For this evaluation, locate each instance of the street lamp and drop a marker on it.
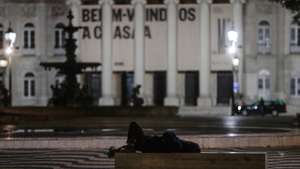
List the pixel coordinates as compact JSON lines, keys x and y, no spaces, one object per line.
{"x":232,"y":50}
{"x":3,"y":63}
{"x":10,"y":37}
{"x":232,"y":38}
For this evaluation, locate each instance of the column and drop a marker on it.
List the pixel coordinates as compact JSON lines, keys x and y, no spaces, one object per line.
{"x":172,"y":98}
{"x":204,"y":92}
{"x":148,"y":88}
{"x":107,"y":98}
{"x":139,"y":44}
{"x":282,"y":51}
{"x":238,"y":27}
{"x":42,"y":52}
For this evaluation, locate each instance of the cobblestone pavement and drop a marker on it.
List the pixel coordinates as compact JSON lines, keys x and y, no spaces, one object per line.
{"x":55,"y":159}
{"x":277,"y":158}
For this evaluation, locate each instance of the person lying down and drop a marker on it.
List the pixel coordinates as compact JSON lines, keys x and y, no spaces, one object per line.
{"x":168,"y":142}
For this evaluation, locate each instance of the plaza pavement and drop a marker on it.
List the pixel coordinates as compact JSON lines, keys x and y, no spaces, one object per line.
{"x":276,"y":158}
{"x":228,"y":140}
{"x":89,"y":152}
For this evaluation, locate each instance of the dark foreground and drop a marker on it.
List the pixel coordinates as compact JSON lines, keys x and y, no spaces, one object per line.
{"x":277,"y":158}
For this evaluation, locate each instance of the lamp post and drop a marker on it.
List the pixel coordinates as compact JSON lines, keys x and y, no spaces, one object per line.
{"x":10,"y":37}
{"x":3,"y":65}
{"x":232,"y":50}
{"x":235,"y":69}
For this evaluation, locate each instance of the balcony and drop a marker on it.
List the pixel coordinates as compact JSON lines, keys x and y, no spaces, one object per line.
{"x":263,"y":48}
{"x":294,"y":48}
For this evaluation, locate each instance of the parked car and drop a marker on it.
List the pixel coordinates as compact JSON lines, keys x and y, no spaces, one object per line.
{"x":273,"y":107}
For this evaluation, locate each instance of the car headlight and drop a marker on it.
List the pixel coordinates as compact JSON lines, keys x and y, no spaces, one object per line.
{"x":239,"y":108}
{"x":255,"y":107}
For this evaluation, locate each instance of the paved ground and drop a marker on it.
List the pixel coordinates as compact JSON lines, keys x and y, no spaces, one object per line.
{"x":286,"y":158}
{"x":277,"y":158}
{"x":55,"y":159}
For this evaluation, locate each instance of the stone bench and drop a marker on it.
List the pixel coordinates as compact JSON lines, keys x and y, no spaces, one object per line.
{"x":190,"y":161}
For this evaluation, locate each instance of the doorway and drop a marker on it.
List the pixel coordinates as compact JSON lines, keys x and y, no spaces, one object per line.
{"x":127,"y":86}
{"x":191,"y":88}
{"x":224,"y":87}
{"x":93,"y":84}
{"x":159,"y":88}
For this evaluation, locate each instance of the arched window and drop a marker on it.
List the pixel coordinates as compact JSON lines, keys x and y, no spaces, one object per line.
{"x":1,"y":36}
{"x":295,"y":38}
{"x":29,"y":85}
{"x":29,"y":36}
{"x":264,"y":84}
{"x":59,"y":36}
{"x":263,"y":37}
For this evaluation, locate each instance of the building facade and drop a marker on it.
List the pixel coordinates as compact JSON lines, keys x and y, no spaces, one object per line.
{"x":176,"y":51}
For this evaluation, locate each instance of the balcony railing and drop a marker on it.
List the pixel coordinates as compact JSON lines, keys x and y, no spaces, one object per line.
{"x":294,"y":48}
{"x":263,"y":49}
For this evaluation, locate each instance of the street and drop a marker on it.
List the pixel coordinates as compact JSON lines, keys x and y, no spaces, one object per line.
{"x":101,"y":126}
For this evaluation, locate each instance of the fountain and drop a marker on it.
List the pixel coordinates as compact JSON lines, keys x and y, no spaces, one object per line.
{"x":69,"y":92}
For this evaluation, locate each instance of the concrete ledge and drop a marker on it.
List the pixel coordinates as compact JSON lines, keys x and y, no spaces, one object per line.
{"x":205,"y":141}
{"x":190,"y":160}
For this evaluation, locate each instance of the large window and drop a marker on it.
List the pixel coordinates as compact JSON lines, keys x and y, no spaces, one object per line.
{"x":29,"y":36}
{"x":295,"y":86}
{"x":263,"y":39}
{"x":224,"y":25}
{"x":29,"y":85}
{"x":295,"y":38}
{"x":59,"y":39}
{"x":59,"y":36}
{"x":264,"y":84}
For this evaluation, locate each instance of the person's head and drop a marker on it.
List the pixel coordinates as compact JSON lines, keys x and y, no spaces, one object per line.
{"x":135,"y":134}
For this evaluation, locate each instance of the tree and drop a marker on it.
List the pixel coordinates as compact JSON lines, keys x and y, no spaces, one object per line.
{"x":292,"y":5}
